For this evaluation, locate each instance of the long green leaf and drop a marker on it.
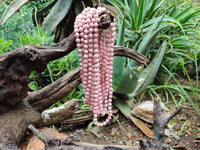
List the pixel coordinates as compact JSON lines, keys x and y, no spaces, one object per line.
{"x":46,"y":8}
{"x":165,"y":19}
{"x":140,"y":14}
{"x":188,"y":17}
{"x":118,"y":62}
{"x":127,"y":82}
{"x":58,"y":12}
{"x":11,"y":9}
{"x":148,"y":74}
{"x":125,"y":109}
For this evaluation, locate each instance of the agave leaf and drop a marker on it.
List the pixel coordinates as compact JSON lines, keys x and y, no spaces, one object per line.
{"x":140,"y":14}
{"x":46,"y":8}
{"x":11,"y":9}
{"x":79,"y":5}
{"x":116,"y":4}
{"x":58,"y":12}
{"x":127,"y":81}
{"x":165,"y":19}
{"x":148,"y":74}
{"x":118,"y":62}
{"x":125,"y":109}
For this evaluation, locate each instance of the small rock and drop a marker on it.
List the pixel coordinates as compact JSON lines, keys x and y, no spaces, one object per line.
{"x":79,"y":132}
{"x":129,"y":135}
{"x":36,"y":144}
{"x":113,"y":131}
{"x":144,"y":111}
{"x":96,"y":132}
{"x":129,"y":143}
{"x":137,"y":142}
{"x":114,"y":141}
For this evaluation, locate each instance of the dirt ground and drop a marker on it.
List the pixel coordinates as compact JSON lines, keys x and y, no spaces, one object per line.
{"x":184,"y":132}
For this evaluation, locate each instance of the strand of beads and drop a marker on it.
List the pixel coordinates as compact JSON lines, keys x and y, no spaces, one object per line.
{"x":95,"y":52}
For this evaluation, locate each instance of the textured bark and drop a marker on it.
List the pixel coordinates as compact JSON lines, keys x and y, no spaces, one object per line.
{"x":18,"y":108}
{"x":16,"y":66}
{"x":60,"y":144}
{"x":160,"y":120}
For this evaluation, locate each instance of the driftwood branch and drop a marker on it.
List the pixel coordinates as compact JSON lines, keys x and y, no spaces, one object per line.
{"x":160,"y":120}
{"x":58,"y":144}
{"x":18,"y":107}
{"x":47,"y":96}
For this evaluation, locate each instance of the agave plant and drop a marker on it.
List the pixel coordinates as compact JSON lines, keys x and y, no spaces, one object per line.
{"x":60,"y":9}
{"x":137,"y":32}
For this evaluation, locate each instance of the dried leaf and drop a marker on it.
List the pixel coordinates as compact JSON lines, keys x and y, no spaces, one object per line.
{"x":125,"y":109}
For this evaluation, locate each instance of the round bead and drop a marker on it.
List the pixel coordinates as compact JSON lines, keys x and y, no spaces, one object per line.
{"x":95,"y":52}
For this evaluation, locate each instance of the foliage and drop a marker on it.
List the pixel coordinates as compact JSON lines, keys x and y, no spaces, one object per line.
{"x":178,"y":22}
{"x":39,"y":4}
{"x":19,"y":24}
{"x":18,"y":31}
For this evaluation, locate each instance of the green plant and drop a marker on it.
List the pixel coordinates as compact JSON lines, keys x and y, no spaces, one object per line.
{"x":4,"y":45}
{"x":19,"y":24}
{"x":24,"y":34}
{"x":40,"y":4}
{"x":133,"y":34}
{"x":177,"y":23}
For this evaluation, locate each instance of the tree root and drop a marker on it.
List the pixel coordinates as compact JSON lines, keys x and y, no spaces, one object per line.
{"x":160,"y":120}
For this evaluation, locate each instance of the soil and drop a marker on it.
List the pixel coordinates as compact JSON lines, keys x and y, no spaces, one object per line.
{"x":184,"y":129}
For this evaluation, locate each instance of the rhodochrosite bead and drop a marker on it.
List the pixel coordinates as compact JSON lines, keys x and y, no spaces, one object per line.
{"x":95,"y":52}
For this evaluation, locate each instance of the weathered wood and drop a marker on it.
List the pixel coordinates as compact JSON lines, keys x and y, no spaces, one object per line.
{"x":14,"y":123}
{"x":58,"y":144}
{"x":15,"y":68}
{"x":160,"y":120}
{"x":127,"y":52}
{"x":47,"y":96}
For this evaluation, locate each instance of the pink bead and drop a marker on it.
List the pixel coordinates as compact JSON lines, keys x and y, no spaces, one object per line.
{"x":78,"y":40}
{"x":95,"y":25}
{"x":93,"y":20}
{"x":86,"y":31}
{"x":96,"y":40}
{"x":90,"y":40}
{"x":90,"y":35}
{"x":81,"y":34}
{"x":85,"y":36}
{"x":77,"y":35}
{"x":79,"y":55}
{"x":85,"y":41}
{"x":96,"y":30}
{"x":85,"y":46}
{"x":85,"y":56}
{"x":95,"y":61}
{"x":98,"y":20}
{"x":95,"y":16}
{"x":96,"y":46}
{"x":78,"y":45}
{"x":96,"y":35}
